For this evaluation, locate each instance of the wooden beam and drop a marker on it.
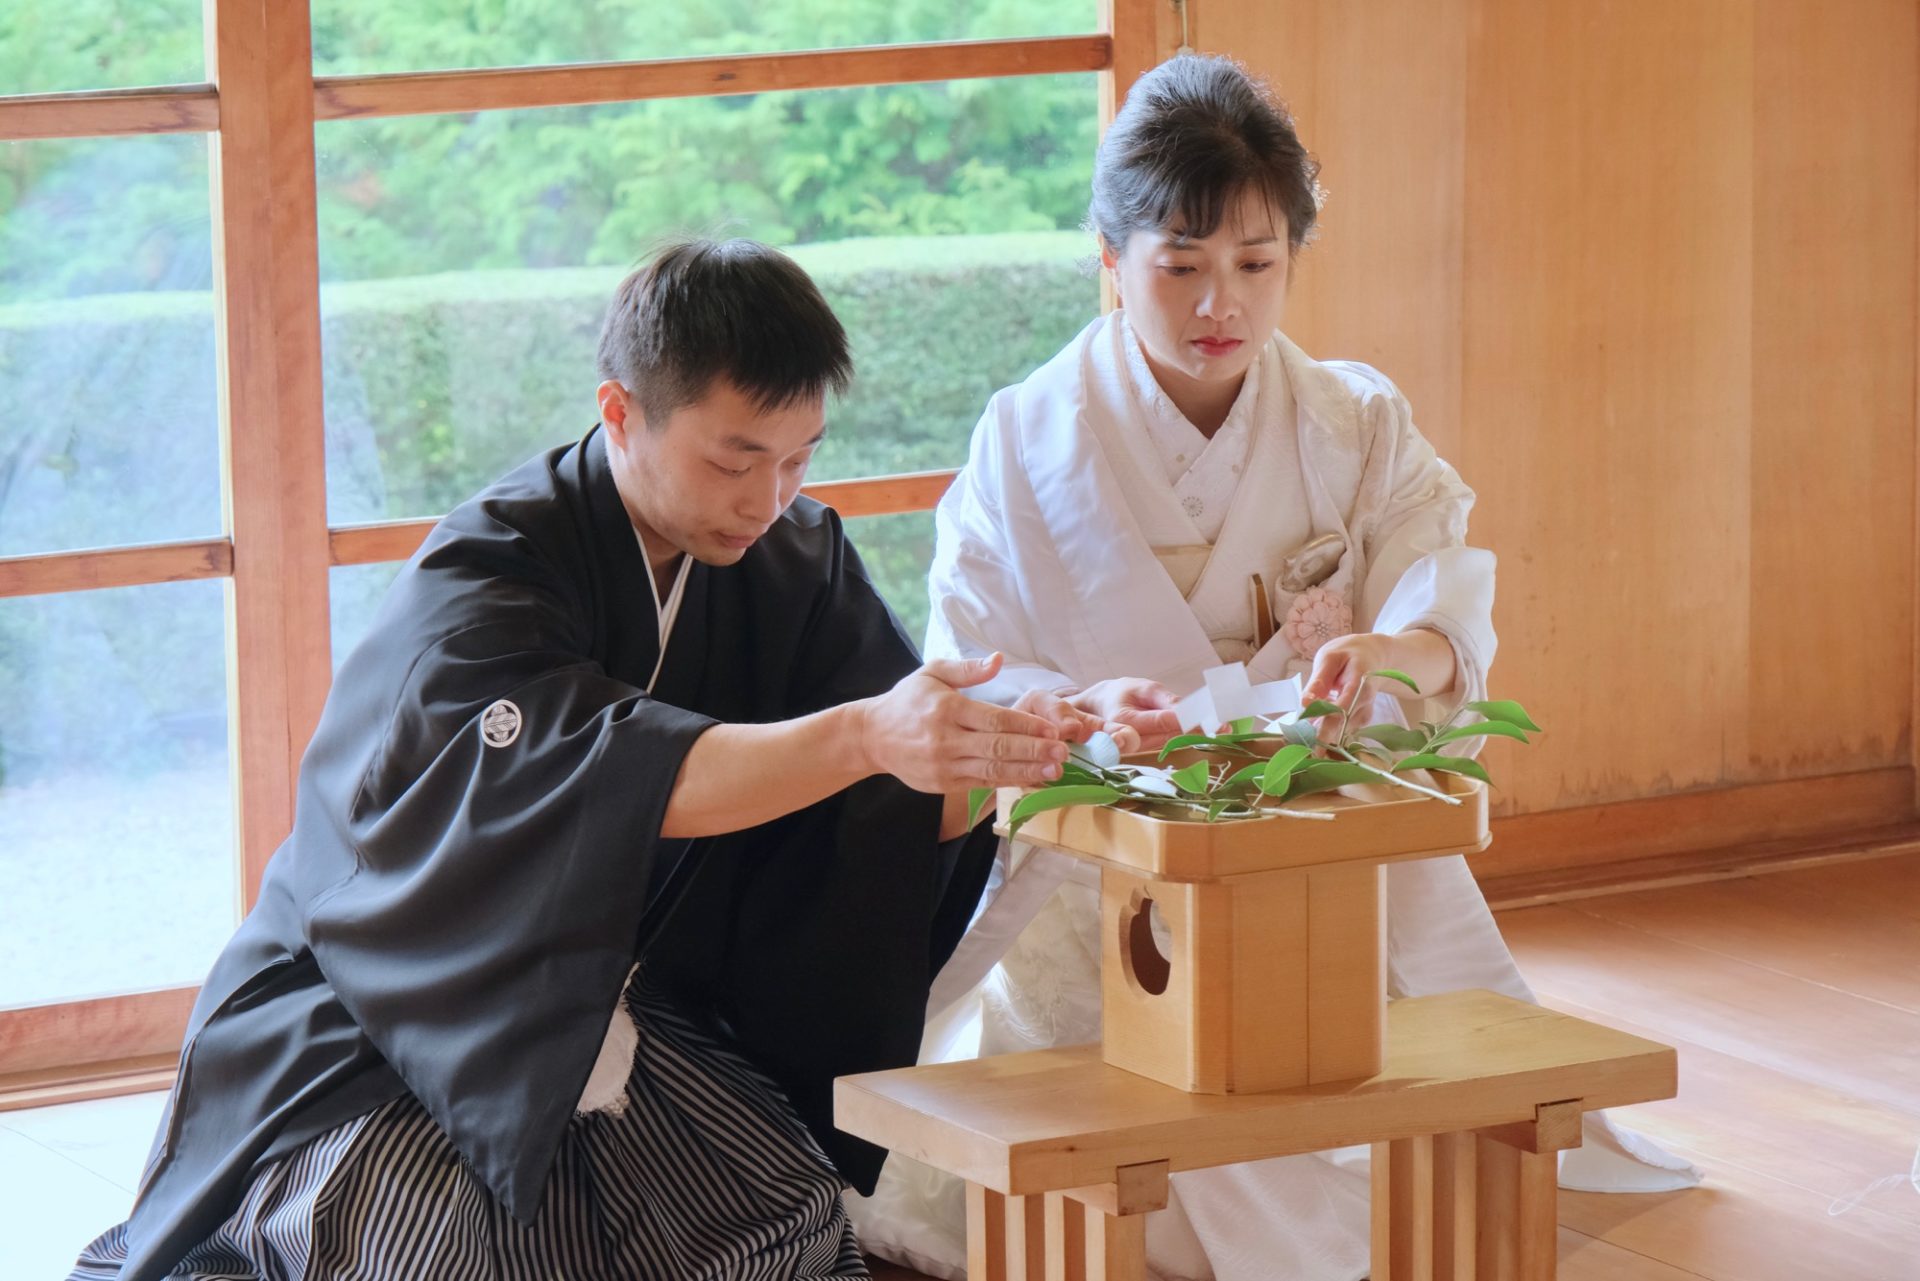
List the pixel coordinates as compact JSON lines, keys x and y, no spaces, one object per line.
{"x":115,"y":567}
{"x":374,"y":544}
{"x":872,"y":496}
{"x":167,"y":109}
{"x":64,"y":1037}
{"x":883,"y":495}
{"x":1788,"y":813}
{"x":267,"y":306}
{"x":140,"y":1075}
{"x":1145,"y":34}
{"x":415,"y":93}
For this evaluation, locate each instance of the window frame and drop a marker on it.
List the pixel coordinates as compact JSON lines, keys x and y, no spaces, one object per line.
{"x":277,"y":547}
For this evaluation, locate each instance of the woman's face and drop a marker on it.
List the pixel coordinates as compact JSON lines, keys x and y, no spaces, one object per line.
{"x":1204,"y":308}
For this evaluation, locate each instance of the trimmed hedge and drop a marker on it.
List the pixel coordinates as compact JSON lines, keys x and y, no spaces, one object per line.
{"x":435,"y":385}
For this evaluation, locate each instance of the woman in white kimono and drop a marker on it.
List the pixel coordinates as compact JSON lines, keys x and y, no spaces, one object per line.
{"x":1106,"y":536}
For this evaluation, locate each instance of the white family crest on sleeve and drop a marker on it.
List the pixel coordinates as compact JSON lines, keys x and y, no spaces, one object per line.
{"x":500,"y":724}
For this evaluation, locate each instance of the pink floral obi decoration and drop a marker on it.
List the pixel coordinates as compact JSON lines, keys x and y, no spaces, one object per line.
{"x":1317,"y":616}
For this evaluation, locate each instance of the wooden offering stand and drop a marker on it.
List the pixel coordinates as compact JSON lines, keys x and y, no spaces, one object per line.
{"x":1277,"y":975}
{"x":1263,"y":1030}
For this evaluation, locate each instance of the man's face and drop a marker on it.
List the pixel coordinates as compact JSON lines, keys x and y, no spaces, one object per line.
{"x":713,"y":477}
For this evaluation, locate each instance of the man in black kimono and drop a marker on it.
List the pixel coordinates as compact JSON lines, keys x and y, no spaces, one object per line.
{"x":633,"y":752}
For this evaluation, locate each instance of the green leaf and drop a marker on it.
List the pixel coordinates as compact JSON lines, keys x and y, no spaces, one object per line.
{"x":1395,"y":674}
{"x":1324,"y":776}
{"x":1242,"y":726}
{"x":1497,"y":728}
{"x":1074,"y":773}
{"x":1210,"y":741}
{"x":1446,"y":764}
{"x":1320,"y":707}
{"x":1247,"y":774}
{"x":1056,"y":798}
{"x":1395,"y":738}
{"x":977,"y":801}
{"x":1280,"y":769}
{"x":1506,"y":711}
{"x":1193,"y":778}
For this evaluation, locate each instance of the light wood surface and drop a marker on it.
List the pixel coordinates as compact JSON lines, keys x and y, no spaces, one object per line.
{"x":1062,"y":1118}
{"x":103,"y":113}
{"x":413,"y":93}
{"x":116,"y":567}
{"x":1799,"y":1068}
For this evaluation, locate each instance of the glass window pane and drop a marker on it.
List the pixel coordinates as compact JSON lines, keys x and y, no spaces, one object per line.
{"x":357,"y":37}
{"x":354,"y":593}
{"x":468,"y":261}
{"x":109,"y":432}
{"x":68,"y":46}
{"x":897,"y":551}
{"x":116,"y":826}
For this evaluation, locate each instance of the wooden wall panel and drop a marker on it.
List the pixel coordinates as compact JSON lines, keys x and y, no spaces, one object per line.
{"x":1833,"y":367}
{"x":1607,"y":382}
{"x":1379,"y":93}
{"x":1647,"y":272}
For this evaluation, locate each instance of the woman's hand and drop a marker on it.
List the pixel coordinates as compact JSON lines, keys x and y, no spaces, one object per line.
{"x":1338,"y":668}
{"x":1145,"y":707}
{"x":1075,"y":725}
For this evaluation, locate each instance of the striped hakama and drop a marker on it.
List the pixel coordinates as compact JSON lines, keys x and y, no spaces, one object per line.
{"x":707,"y":1173}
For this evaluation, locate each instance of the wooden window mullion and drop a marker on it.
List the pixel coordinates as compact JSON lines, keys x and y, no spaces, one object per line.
{"x":273,"y":454}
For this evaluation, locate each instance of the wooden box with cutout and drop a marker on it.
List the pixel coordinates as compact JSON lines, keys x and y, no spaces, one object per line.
{"x":1266,"y":966}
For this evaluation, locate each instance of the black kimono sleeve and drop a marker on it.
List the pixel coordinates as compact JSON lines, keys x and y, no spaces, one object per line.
{"x":483,"y":935}
{"x":812,"y":941}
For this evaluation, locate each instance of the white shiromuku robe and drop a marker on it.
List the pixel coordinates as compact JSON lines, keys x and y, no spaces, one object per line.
{"x":1094,"y":534}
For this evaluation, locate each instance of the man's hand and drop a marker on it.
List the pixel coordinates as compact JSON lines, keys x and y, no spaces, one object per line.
{"x":1073,"y":724}
{"x":933,"y":738}
{"x":1145,"y":707}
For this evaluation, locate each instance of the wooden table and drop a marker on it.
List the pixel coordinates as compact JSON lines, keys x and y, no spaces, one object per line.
{"x":1064,"y":1154}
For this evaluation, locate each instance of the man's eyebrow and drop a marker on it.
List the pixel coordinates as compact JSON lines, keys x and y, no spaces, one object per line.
{"x":740,"y":444}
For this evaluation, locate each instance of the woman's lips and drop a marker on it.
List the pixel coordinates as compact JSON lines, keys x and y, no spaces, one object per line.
{"x":1216,"y":346}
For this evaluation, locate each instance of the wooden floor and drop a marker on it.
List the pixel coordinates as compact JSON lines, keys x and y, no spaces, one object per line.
{"x":1794,"y":1000}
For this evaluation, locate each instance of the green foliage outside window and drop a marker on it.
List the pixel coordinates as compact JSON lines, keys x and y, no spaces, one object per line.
{"x":466,"y":261}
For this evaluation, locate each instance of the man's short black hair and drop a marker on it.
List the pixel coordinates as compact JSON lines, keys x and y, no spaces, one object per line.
{"x":733,"y":309}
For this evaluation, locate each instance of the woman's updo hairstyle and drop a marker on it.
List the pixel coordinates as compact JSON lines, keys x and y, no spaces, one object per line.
{"x":1194,"y":133}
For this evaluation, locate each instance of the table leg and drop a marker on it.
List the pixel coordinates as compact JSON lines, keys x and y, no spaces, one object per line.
{"x":1455,"y":1181}
{"x":1116,"y":1246}
{"x":1403,"y":1210}
{"x":1518,"y":1212}
{"x":986,"y":1234}
{"x":1006,"y":1236}
{"x":1066,"y":1238}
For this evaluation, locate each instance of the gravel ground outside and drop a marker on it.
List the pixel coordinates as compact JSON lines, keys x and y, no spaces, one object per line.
{"x":114,"y":882}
